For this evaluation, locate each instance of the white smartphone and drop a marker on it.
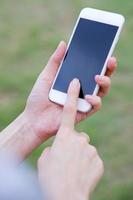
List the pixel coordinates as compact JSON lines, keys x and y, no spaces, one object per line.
{"x":91,"y":45}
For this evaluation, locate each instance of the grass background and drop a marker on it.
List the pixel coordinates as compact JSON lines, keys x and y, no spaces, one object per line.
{"x":29,"y":32}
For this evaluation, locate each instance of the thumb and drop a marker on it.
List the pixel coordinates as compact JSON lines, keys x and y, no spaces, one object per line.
{"x":46,"y":78}
{"x":54,"y":62}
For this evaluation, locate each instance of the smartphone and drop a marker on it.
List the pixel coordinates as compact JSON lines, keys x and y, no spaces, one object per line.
{"x":92,"y":43}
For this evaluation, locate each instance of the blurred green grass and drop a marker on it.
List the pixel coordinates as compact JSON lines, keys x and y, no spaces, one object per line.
{"x":29,"y":33}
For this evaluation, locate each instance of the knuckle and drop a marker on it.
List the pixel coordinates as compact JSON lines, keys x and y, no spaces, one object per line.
{"x":101,"y":166}
{"x":107,"y":82}
{"x":98,"y":103}
{"x":83,"y":140}
{"x":46,"y":79}
{"x":54,"y":59}
{"x":69,"y":108}
{"x":99,"y":100}
{"x":84,"y":137}
{"x":93,"y":150}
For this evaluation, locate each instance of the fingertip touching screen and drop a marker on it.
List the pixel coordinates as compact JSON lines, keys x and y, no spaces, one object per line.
{"x":86,"y":55}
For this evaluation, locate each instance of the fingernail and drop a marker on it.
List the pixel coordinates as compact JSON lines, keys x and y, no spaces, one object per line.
{"x":76,"y":82}
{"x":61,"y":42}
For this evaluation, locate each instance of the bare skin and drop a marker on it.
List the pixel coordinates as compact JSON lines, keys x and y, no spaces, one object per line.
{"x":41,"y":118}
{"x":71,"y":168}
{"x":50,"y":114}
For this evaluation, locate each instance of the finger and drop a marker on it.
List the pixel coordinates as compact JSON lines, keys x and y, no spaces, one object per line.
{"x":70,"y":108}
{"x":112,"y":65}
{"x":104,"y":83}
{"x":95,"y":101}
{"x":84,"y":137}
{"x":53,"y":64}
{"x":56,"y":58}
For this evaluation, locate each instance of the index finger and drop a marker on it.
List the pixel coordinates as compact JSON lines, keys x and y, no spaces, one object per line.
{"x":70,"y":107}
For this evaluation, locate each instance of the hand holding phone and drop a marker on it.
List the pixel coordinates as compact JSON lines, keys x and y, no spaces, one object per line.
{"x":91,"y":45}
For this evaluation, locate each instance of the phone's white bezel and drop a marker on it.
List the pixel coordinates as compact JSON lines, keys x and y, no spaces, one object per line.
{"x":99,"y":16}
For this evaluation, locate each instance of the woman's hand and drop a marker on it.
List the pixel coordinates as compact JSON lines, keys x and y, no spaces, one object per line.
{"x":71,"y":168}
{"x":45,"y":116}
{"x":41,"y":118}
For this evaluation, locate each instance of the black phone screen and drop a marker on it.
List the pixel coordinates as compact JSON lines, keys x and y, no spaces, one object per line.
{"x":86,"y":55}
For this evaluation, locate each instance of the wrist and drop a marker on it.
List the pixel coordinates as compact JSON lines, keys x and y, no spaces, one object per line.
{"x":27,"y":134}
{"x":19,"y":137}
{"x":38,"y":126}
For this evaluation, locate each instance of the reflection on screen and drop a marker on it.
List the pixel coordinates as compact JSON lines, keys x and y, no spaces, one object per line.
{"x":86,"y":55}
